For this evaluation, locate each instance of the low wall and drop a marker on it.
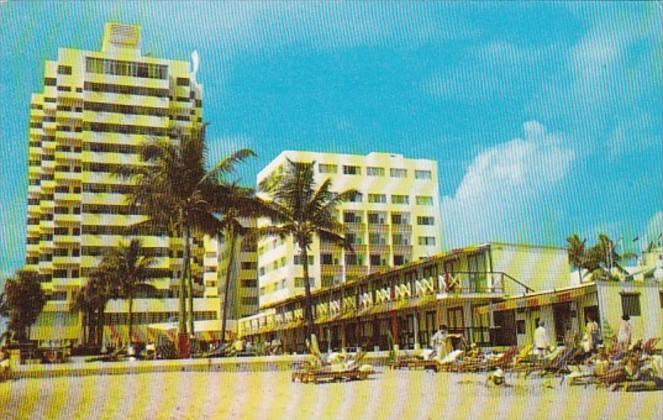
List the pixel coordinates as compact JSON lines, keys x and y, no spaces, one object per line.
{"x":231,"y":364}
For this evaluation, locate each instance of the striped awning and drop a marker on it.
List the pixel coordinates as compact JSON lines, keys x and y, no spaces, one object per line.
{"x":534,"y":300}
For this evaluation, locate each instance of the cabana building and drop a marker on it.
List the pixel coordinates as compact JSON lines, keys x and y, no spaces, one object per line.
{"x":638,"y":294}
{"x":411,"y":301}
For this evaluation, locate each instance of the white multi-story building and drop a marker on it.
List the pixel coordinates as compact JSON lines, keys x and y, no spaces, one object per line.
{"x":394,"y":220}
{"x":95,"y":110}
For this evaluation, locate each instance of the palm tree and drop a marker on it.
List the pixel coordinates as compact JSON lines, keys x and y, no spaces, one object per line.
{"x":91,"y":301}
{"x":604,"y":255}
{"x":305,"y":210}
{"x":22,"y":302}
{"x":576,"y":251}
{"x":598,"y":259}
{"x":127,"y":268}
{"x":236,"y":204}
{"x":175,"y":190}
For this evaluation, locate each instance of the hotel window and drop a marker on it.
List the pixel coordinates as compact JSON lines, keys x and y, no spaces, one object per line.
{"x":327,"y":281}
{"x":326,"y":259}
{"x":182,"y":81}
{"x":399,"y":239}
{"x":420,"y":174}
{"x":400,"y":199}
{"x":375,"y":219}
{"x":299,"y":281}
{"x":248,"y":265}
{"x":353,"y":259}
{"x":298,"y":259}
{"x":326,"y":168}
{"x":356,"y":198}
{"x":427,"y":240}
{"x":249,"y":300}
{"x":425,"y":220}
{"x":351,"y":170}
{"x":400,"y":219}
{"x":60,"y":252}
{"x":61,"y":231}
{"x":50,"y":81}
{"x":424,"y":200}
{"x":631,"y":304}
{"x":376,"y":239}
{"x":377,"y":198}
{"x":398,"y":173}
{"x":353,"y":239}
{"x":373,"y":171}
{"x":399,"y":260}
{"x":375,"y":259}
{"x":126,"y":68}
{"x":64,"y":69}
{"x":349,"y":217}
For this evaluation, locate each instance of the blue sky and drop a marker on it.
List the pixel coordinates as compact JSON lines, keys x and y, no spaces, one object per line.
{"x":545,"y":118}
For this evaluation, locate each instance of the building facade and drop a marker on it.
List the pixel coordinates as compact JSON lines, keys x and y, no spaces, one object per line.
{"x":393,"y":221}
{"x":244,"y":272}
{"x":95,"y":110}
{"x":566,"y":310}
{"x":411,"y":301}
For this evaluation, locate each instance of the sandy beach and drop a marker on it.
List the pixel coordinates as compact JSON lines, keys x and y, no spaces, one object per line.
{"x":390,"y":395}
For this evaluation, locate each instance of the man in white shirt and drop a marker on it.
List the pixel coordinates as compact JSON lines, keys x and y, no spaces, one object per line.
{"x":439,"y":341}
{"x":625,"y":333}
{"x":541,"y":343}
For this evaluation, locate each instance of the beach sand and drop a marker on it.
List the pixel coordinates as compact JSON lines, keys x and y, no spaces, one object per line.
{"x":271,"y":395}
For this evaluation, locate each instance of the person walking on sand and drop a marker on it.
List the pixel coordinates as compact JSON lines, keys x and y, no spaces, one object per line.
{"x":625,"y":333}
{"x":592,"y":331}
{"x":541,"y":343}
{"x":439,"y":341}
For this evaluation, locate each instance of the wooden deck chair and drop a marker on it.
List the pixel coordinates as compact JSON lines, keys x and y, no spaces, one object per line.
{"x":649,"y":346}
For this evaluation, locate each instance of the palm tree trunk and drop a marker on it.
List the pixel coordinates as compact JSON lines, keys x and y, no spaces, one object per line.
{"x":185,"y":260}
{"x":226,"y":286}
{"x":308,"y":307}
{"x":190,"y":283}
{"x":100,"y":325}
{"x":131,"y":316}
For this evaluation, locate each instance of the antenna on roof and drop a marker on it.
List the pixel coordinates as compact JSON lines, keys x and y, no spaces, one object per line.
{"x":195,"y":61}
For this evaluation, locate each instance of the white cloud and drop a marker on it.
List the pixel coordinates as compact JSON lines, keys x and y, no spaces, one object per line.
{"x":503,"y":188}
{"x":633,"y":135}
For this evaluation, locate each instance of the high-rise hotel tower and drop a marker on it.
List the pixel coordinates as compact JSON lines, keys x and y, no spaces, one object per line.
{"x":394,"y":220}
{"x":95,"y":110}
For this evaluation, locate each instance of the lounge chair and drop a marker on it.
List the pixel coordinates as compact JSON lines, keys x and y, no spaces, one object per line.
{"x":113,"y":357}
{"x":649,"y":346}
{"x":484,"y":364}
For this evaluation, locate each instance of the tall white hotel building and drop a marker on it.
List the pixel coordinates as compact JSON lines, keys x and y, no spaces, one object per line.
{"x":95,"y":110}
{"x":393,"y":221}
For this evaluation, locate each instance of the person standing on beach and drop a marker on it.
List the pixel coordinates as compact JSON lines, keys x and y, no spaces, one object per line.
{"x":625,"y":333}
{"x":439,"y":341}
{"x":592,"y":331}
{"x":541,"y":343}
